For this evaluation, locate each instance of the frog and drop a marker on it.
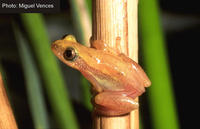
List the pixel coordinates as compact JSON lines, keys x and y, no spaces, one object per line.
{"x":116,"y":79}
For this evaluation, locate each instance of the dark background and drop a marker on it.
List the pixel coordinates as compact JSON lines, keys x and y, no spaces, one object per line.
{"x":181,"y":23}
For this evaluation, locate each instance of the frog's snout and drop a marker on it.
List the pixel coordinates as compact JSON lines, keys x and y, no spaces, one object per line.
{"x":54,"y":46}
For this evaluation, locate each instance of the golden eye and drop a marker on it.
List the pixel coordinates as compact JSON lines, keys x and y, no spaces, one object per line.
{"x":70,"y":54}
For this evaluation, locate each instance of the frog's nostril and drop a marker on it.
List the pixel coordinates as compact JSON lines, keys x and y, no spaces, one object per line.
{"x":54,"y":46}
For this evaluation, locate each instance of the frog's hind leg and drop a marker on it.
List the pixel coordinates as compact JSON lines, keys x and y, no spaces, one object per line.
{"x":114,"y":104}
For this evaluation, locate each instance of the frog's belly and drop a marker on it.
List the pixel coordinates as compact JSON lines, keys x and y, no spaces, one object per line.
{"x":108,"y":84}
{"x":104,"y":82}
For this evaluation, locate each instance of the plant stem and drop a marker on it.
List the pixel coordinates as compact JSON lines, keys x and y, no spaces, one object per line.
{"x":117,"y":19}
{"x":7,"y":120}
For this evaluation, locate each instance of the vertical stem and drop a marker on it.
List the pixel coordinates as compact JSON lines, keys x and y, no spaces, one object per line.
{"x":114,"y":19}
{"x":7,"y":120}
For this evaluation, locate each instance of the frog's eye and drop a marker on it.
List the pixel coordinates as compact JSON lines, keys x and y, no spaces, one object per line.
{"x":70,"y":54}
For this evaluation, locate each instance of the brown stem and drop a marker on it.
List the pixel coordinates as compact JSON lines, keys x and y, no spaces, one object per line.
{"x":7,"y":120}
{"x":117,"y":19}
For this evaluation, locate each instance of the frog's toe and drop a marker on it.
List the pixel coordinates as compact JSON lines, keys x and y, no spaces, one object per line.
{"x":109,"y":112}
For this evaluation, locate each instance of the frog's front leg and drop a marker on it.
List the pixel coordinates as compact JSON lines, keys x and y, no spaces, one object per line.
{"x":114,"y":103}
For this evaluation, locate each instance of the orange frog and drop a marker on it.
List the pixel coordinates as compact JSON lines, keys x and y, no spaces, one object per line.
{"x":116,"y":79}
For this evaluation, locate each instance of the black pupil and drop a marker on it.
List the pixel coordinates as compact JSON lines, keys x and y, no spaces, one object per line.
{"x":68,"y":53}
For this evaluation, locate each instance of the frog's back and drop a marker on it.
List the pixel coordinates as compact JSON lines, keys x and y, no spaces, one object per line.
{"x":118,"y":72}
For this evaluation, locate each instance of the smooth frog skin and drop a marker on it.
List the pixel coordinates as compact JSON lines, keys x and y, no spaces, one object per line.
{"x":116,"y":79}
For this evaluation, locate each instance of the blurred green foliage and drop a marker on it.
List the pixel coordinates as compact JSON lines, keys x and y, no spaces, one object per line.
{"x":86,"y":93}
{"x":160,"y":94}
{"x":33,"y":83}
{"x":50,"y":71}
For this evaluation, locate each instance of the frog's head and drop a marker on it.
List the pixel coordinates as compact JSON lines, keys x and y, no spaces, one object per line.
{"x":69,"y":51}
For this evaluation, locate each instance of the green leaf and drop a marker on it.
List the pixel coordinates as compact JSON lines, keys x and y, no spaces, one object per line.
{"x":33,"y":83}
{"x":161,"y":97}
{"x":86,"y":93}
{"x":50,"y":71}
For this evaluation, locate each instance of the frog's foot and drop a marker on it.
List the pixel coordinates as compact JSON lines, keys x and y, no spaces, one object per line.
{"x":114,"y":104}
{"x":101,"y":45}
